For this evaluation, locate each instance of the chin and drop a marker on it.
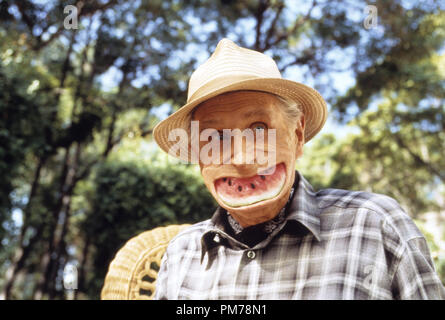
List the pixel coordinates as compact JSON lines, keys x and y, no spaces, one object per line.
{"x":244,"y":194}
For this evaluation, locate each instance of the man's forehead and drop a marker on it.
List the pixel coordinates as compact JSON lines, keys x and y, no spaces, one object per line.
{"x":244,"y":107}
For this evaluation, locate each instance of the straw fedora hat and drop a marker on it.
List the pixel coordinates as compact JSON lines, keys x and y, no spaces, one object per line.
{"x":233,"y":68}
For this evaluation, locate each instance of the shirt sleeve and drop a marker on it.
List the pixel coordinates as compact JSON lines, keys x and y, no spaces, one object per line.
{"x":415,"y":277}
{"x":409,"y":260}
{"x":161,"y":281}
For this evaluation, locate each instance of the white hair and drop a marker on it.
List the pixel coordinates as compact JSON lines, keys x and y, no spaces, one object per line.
{"x":291,"y":109}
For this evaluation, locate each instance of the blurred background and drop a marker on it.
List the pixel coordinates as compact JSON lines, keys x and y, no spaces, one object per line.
{"x":82,"y":84}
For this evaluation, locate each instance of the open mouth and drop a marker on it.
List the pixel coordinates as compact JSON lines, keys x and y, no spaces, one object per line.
{"x":238,"y":192}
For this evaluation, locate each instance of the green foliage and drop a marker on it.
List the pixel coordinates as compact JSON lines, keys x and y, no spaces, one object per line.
{"x":402,"y":59}
{"x":132,"y":197}
{"x":22,"y":131}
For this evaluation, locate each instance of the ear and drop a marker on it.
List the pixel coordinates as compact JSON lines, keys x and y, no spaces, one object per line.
{"x":299,"y":133}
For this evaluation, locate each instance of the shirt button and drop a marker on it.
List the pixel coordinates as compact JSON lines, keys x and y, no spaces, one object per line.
{"x":251,"y":254}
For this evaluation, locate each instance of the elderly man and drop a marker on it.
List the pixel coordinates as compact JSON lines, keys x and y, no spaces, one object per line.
{"x":273,"y":237}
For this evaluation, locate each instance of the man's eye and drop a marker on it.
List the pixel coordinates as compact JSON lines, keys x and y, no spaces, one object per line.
{"x":258,"y":126}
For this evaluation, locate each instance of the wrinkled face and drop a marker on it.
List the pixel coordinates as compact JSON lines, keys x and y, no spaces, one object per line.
{"x":250,"y":194}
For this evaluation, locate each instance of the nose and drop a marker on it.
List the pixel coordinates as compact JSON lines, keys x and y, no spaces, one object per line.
{"x":243,"y":148}
{"x":242,"y":168}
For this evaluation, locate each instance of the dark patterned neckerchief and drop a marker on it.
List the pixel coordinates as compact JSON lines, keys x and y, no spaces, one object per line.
{"x":255,"y":234}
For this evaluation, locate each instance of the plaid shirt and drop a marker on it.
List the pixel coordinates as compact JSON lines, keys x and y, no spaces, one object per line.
{"x":334,"y":244}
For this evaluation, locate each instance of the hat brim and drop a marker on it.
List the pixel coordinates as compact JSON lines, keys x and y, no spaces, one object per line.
{"x":311,"y":102}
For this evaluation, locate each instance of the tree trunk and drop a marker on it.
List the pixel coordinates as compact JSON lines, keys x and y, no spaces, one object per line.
{"x":50,"y":261}
{"x":48,"y":257}
{"x":59,"y":240}
{"x":23,"y":251}
{"x":21,"y":254}
{"x":82,"y":268}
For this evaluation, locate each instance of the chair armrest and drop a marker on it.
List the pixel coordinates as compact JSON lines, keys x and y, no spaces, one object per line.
{"x":132,"y":273}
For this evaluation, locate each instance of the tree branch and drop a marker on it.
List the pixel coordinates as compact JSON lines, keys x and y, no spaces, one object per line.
{"x":84,"y":173}
{"x":262,"y":7}
{"x":418,"y":159}
{"x":272,"y":28}
{"x":298,"y":23}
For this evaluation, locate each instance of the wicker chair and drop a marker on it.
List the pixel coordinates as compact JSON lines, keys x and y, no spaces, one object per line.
{"x":132,"y":273}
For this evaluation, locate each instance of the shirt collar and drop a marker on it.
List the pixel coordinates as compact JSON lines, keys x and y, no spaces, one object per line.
{"x":303,"y":209}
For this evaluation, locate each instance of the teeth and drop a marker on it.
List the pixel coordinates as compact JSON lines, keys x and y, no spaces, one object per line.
{"x":251,"y":199}
{"x":237,"y":192}
{"x":269,"y":171}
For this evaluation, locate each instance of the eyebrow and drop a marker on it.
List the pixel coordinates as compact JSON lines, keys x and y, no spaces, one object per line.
{"x":210,"y":122}
{"x":257,"y":113}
